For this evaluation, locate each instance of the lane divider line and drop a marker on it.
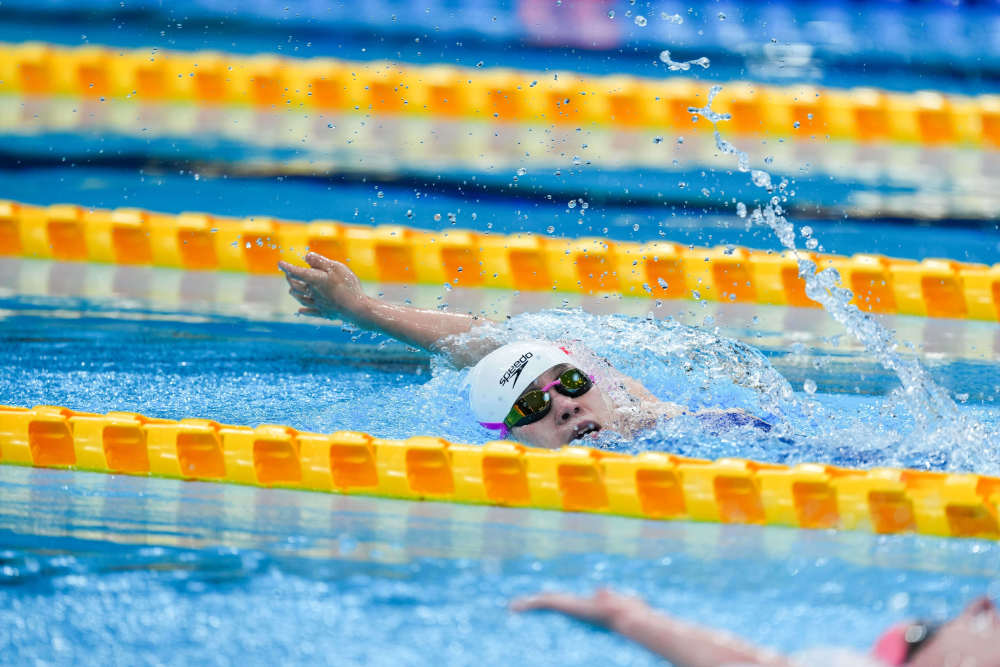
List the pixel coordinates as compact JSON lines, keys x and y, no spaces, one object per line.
{"x":567,"y":98}
{"x":398,"y":254}
{"x":577,"y":479}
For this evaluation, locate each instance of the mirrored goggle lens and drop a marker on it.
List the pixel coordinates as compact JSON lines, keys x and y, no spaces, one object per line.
{"x":573,"y":383}
{"x":530,"y":407}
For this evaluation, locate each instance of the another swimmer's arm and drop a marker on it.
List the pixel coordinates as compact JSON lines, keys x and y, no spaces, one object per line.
{"x":683,"y":644}
{"x":329,"y":289}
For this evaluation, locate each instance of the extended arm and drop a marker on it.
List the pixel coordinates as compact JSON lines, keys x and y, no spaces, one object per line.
{"x":331,"y":290}
{"x":683,"y":644}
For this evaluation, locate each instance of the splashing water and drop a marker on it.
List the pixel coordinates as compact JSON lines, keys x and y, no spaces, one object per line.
{"x":939,"y":423}
{"x":706,"y":112}
{"x":698,"y":369}
{"x":685,"y":65}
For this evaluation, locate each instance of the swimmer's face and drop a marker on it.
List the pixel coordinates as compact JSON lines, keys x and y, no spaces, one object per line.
{"x":972,"y":638}
{"x":568,"y":418}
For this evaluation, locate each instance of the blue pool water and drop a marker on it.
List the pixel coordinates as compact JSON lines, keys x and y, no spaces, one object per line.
{"x":103,"y":569}
{"x":108,"y":569}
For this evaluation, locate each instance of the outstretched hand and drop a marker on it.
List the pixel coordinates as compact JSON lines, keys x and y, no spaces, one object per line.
{"x":325,"y":288}
{"x":605,"y":608}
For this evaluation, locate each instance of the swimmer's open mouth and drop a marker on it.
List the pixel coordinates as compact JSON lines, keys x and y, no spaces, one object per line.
{"x":585,"y":428}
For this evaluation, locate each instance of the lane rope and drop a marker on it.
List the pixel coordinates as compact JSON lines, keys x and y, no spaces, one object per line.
{"x":565,"y":98}
{"x":460,"y":258}
{"x":649,"y":485}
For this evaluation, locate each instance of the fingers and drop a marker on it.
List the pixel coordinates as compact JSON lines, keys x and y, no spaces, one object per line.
{"x":567,"y":604}
{"x":297,"y":284}
{"x":302,"y":272}
{"x":311,"y":312}
{"x":302,"y":297}
{"x":318,"y":261}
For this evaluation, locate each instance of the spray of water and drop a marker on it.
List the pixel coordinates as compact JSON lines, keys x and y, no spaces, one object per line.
{"x":939,"y":421}
{"x":685,"y":65}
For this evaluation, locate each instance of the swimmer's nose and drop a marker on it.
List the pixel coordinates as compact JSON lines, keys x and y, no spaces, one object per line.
{"x":565,"y":408}
{"x":567,"y":414}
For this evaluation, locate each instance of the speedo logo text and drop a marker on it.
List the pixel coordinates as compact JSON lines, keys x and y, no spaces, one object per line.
{"x":514,"y":372}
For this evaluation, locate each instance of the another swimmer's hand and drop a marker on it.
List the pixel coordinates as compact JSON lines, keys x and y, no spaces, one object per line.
{"x":605,"y":608}
{"x":683,"y":644}
{"x":325,"y":288}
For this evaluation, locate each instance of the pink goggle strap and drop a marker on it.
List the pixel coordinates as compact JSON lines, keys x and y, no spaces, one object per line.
{"x":497,"y":426}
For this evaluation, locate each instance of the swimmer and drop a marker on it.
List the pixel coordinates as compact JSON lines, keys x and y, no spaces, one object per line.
{"x":972,"y":638}
{"x":542,"y":393}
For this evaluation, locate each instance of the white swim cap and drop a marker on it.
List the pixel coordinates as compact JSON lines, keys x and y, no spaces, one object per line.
{"x":500,"y":377}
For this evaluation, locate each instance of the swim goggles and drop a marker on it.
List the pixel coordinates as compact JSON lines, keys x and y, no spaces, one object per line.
{"x":534,"y":404}
{"x":900,"y":643}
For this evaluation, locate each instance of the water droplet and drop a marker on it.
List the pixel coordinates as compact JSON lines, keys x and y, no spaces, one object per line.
{"x":571,"y":203}
{"x":611,"y":13}
{"x":722,"y":17}
{"x":796,"y":124}
{"x":409,"y":213}
{"x":761,"y":179}
{"x":663,"y":283}
{"x":811,"y":244}
{"x":680,"y":140}
{"x":380,"y":195}
{"x":806,"y":231}
{"x":657,"y":140}
{"x":741,"y":209}
{"x":437,"y":217}
{"x":640,"y":21}
{"x":550,"y":229}
{"x":809,"y":386}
